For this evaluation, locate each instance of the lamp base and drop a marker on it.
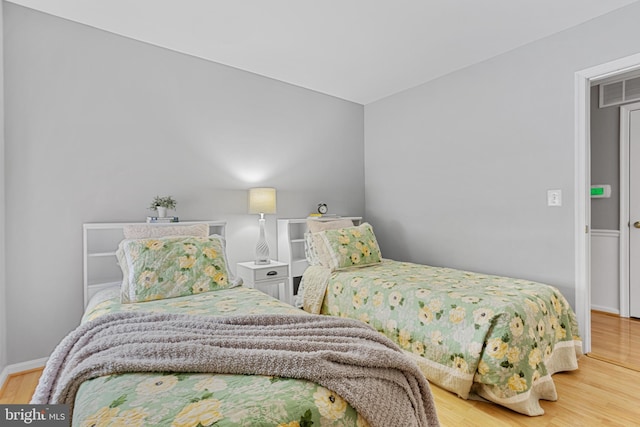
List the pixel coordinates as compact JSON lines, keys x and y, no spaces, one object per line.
{"x":262,"y":248}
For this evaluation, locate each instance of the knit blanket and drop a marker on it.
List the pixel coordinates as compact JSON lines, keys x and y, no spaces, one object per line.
{"x":346,"y":356}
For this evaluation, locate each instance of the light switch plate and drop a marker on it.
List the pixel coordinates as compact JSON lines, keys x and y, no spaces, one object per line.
{"x":554,"y":197}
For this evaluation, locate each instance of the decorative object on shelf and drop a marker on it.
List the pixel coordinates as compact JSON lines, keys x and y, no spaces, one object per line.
{"x":162,"y":204}
{"x":262,"y":201}
{"x":162,"y":219}
{"x":322,"y":212}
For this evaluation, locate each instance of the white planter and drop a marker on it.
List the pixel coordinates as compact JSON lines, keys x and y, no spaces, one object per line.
{"x":162,"y":212}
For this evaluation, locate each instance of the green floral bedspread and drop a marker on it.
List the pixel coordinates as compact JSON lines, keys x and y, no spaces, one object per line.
{"x":171,"y":399}
{"x":496,"y":337}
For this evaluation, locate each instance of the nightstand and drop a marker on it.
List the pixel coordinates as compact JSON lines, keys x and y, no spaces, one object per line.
{"x":272,"y":279}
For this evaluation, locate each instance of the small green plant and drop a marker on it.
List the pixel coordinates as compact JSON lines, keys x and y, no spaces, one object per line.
{"x":164,"y":202}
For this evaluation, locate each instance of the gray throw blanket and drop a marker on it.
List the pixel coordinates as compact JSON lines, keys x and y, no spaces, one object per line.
{"x":346,"y":356}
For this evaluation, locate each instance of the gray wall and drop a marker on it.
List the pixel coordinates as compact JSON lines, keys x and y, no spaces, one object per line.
{"x":3,"y":309}
{"x":605,"y":163}
{"x":97,"y":124}
{"x":457,"y":169}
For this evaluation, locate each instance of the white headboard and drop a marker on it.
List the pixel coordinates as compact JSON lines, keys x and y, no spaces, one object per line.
{"x":100,"y":241}
{"x":291,"y":244}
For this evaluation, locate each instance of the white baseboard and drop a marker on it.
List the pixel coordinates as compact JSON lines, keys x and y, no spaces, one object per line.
{"x":19,"y":367}
{"x":605,"y":309}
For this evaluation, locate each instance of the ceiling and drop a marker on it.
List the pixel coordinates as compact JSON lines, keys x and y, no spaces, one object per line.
{"x":358,"y":50}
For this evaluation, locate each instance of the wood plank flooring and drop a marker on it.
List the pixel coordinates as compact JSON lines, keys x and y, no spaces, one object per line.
{"x":615,"y":339}
{"x":19,"y":387}
{"x":599,"y":393}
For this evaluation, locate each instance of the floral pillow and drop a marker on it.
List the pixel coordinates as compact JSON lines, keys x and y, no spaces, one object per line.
{"x":315,"y":226}
{"x":172,"y":266}
{"x":347,"y":247}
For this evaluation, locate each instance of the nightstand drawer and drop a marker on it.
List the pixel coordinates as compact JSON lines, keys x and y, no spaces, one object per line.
{"x":272,"y":279}
{"x":271,"y":273}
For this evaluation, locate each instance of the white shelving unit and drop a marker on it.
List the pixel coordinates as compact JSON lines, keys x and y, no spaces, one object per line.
{"x":100,"y":242}
{"x":291,"y":245}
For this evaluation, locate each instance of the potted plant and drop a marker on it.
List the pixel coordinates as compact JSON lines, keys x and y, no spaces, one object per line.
{"x":161,"y":204}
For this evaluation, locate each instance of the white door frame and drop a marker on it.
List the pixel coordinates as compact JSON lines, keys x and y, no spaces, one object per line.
{"x":582,"y":122}
{"x":625,"y":285}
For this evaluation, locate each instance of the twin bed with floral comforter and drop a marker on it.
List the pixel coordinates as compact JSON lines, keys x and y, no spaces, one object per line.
{"x":171,"y":283}
{"x":474,"y":334}
{"x":186,"y":399}
{"x":192,"y":398}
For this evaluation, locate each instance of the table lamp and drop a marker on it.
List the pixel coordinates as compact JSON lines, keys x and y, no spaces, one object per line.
{"x":262,"y":201}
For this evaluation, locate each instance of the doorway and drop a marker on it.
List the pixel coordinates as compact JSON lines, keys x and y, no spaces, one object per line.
{"x":630,"y":209}
{"x":615,"y":155}
{"x":583,"y":81}
{"x":615,"y":209}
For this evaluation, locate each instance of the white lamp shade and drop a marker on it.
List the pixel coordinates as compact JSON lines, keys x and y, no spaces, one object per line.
{"x":262,"y":200}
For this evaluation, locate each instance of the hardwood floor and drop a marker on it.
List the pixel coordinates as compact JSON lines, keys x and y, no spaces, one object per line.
{"x":615,"y":339}
{"x":599,"y":393}
{"x":20,"y":387}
